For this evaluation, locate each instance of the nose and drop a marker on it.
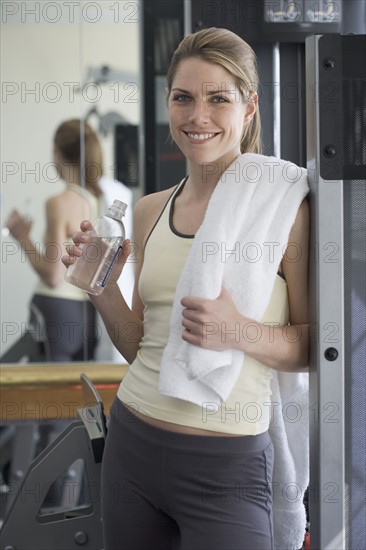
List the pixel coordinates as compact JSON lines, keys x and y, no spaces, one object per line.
{"x":199,"y":112}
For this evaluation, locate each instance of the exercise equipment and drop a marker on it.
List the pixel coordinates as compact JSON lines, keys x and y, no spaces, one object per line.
{"x":76,"y":522}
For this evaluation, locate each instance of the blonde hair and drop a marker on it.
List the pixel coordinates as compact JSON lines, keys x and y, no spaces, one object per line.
{"x":68,"y":139}
{"x":227,"y":49}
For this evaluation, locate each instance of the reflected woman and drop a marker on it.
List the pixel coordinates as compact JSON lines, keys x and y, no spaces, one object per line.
{"x":68,"y":315}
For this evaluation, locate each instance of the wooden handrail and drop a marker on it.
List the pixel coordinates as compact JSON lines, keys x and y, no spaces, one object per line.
{"x":59,"y":373}
{"x":41,"y":391}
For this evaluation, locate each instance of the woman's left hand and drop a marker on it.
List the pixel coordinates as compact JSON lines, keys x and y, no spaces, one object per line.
{"x":211,"y":324}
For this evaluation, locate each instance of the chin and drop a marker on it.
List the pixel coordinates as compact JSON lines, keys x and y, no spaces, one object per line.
{"x":202,"y":157}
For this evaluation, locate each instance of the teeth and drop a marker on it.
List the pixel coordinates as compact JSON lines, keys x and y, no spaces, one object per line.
{"x":200,"y":137}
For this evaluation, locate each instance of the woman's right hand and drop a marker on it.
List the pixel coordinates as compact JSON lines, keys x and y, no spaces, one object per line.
{"x":81,"y":238}
{"x":19,"y":226}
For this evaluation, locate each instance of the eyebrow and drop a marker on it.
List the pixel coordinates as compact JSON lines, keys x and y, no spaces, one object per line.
{"x":209,"y":92}
{"x":180,"y":90}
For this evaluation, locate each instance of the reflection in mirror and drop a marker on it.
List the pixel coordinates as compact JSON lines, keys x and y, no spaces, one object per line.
{"x":60,"y":61}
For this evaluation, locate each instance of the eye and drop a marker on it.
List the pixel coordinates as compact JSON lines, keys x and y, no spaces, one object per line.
{"x":219,"y":99}
{"x":181,"y":98}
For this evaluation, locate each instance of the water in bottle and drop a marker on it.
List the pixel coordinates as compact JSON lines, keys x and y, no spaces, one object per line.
{"x":91,"y":271}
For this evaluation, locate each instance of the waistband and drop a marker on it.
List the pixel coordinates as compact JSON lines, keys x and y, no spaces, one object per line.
{"x":120,"y":413}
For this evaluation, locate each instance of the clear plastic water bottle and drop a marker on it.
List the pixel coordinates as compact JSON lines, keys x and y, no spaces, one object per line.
{"x":91,"y":271}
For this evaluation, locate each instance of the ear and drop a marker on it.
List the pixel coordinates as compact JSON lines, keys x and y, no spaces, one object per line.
{"x":250,"y":107}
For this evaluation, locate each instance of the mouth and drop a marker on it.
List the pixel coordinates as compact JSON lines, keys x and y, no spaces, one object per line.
{"x":201,"y":136}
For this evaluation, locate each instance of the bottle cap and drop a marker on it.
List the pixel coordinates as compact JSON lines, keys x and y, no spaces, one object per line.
{"x":117,"y":209}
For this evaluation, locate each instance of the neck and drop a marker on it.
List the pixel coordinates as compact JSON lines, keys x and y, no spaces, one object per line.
{"x":203,"y":178}
{"x":71,"y":174}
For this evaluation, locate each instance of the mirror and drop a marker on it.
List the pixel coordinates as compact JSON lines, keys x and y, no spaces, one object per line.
{"x":60,"y":60}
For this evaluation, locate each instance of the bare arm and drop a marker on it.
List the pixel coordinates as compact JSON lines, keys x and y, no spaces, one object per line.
{"x":281,"y":348}
{"x":44,"y":257}
{"x":287,"y":348}
{"x":124,"y":325}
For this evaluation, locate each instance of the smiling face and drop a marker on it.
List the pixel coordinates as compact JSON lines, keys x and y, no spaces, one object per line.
{"x":207,"y":112}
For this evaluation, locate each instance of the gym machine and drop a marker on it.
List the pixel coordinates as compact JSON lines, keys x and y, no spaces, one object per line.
{"x":76,"y":522}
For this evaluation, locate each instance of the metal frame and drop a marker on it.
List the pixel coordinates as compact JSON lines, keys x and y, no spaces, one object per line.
{"x":327,"y":460}
{"x":68,"y":528}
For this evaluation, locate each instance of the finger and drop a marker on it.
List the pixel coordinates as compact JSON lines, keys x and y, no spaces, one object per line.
{"x":190,"y":314}
{"x":79,"y":237}
{"x":192,"y":302}
{"x":86,"y":225}
{"x":192,"y":326}
{"x":124,"y":253}
{"x":68,"y":260}
{"x":192,"y":338}
{"x":126,"y":249}
{"x":74,"y":250}
{"x":82,"y":236}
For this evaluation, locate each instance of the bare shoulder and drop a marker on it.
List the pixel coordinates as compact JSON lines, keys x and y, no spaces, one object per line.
{"x":67,"y":209}
{"x":61,"y":200}
{"x":55,"y":206}
{"x":153,"y":203}
{"x":147,"y":211}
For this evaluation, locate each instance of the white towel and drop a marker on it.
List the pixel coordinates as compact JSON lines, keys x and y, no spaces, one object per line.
{"x":289,"y":431}
{"x":239,"y":246}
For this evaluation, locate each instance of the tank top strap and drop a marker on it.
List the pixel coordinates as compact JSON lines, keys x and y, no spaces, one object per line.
{"x":165,"y":212}
{"x":78,"y":189}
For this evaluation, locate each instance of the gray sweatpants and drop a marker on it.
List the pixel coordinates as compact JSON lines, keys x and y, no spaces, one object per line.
{"x":163,"y":490}
{"x":70,"y":328}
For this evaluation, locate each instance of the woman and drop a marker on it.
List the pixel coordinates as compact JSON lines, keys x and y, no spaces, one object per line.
{"x":69,"y":317}
{"x":175,"y":475}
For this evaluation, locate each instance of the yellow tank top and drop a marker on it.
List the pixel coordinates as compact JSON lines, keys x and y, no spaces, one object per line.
{"x":247,"y":410}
